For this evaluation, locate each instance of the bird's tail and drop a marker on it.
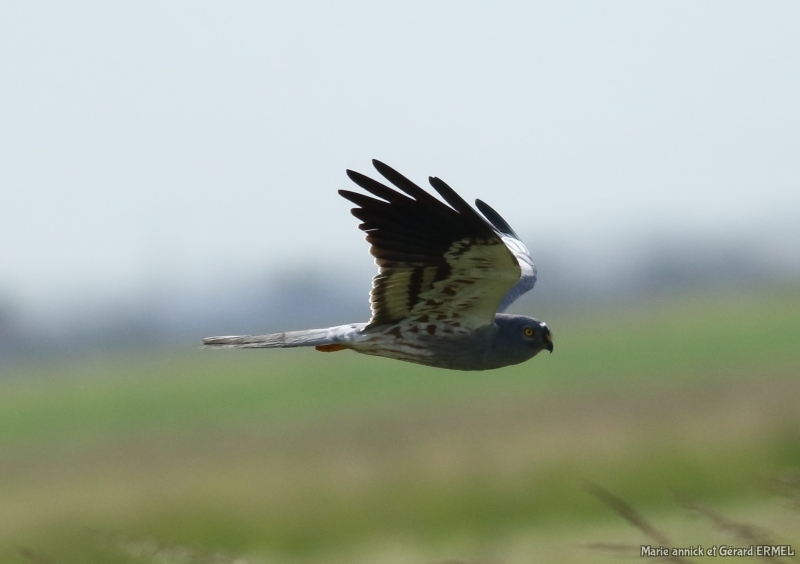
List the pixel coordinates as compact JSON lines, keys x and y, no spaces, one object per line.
{"x":328,"y":339}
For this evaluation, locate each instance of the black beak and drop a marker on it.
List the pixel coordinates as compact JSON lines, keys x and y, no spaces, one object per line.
{"x":549,"y":346}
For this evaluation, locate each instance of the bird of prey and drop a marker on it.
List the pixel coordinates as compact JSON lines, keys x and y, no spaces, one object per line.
{"x":446,"y":275}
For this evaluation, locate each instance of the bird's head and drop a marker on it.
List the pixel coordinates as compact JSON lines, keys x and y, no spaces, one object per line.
{"x":531,"y":333}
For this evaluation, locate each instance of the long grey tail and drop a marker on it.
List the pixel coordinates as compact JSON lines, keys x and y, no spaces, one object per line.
{"x":341,"y":335}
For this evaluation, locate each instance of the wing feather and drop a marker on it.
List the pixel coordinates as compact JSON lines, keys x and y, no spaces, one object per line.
{"x":528,"y":274}
{"x":499,"y":223}
{"x":437,"y":261}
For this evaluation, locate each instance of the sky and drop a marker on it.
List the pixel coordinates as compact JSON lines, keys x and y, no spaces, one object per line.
{"x":187,"y":145}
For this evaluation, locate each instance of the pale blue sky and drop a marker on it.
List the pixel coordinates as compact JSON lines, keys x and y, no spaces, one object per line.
{"x":186,"y":144}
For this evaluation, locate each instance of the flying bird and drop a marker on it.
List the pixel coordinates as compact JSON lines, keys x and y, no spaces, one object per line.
{"x":446,"y":275}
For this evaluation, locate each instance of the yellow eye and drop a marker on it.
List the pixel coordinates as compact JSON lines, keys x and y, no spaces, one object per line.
{"x":528,"y":332}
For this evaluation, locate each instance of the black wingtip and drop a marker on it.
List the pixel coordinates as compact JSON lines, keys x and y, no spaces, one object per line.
{"x":383,"y":168}
{"x":495,"y":218}
{"x":450,"y":196}
{"x":401,"y":182}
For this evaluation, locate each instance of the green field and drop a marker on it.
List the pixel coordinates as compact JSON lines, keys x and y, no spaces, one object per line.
{"x":687,"y":409}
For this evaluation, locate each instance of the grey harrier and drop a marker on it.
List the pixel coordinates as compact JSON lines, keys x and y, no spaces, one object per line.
{"x":446,"y":275}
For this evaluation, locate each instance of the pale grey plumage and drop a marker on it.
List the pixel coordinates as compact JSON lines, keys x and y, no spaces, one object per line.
{"x":446,"y":274}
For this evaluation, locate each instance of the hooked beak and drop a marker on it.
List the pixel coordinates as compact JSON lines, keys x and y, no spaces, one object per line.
{"x":549,"y":345}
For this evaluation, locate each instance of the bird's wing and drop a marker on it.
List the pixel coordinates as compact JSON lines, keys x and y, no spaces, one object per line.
{"x":439,"y":264}
{"x":527,"y":277}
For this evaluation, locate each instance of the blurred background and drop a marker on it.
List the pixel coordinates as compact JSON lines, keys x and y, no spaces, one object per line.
{"x":169,"y":172}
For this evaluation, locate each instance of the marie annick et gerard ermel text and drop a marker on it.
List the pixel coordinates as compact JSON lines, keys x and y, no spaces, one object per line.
{"x":762,"y":550}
